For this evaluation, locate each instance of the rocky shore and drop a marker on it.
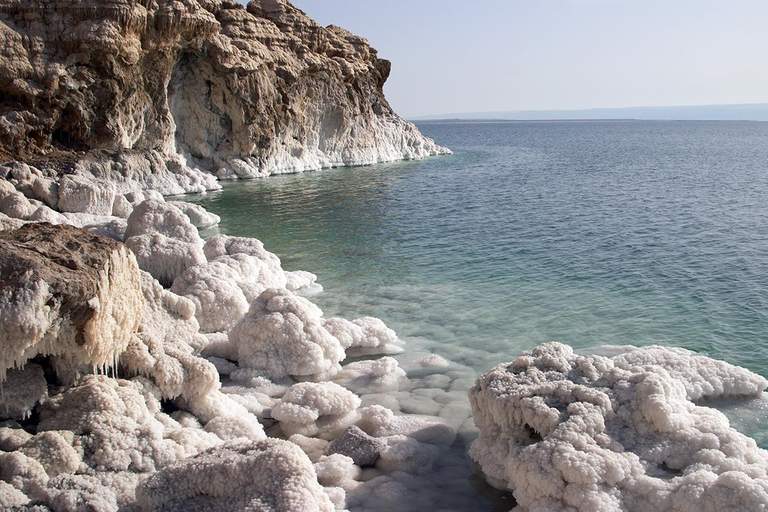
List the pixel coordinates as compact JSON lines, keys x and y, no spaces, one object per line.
{"x":144,"y":368}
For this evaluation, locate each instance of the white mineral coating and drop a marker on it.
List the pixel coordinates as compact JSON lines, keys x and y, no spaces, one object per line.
{"x":312,"y":446}
{"x":73,"y":493}
{"x":337,"y":470}
{"x":10,"y":223}
{"x":260,"y":380}
{"x":239,"y":475}
{"x":318,"y":409}
{"x":158,"y":172}
{"x":220,"y":303}
{"x":376,"y":376}
{"x":271,"y":274}
{"x":24,"y":473}
{"x":47,"y":191}
{"x":366,"y":335}
{"x":283,"y":334}
{"x":54,"y":451}
{"x":68,"y":294}
{"x":404,"y":453}
{"x":379,"y":421}
{"x":198,"y":215}
{"x":153,"y":216}
{"x":302,"y":281}
{"x":163,"y":257}
{"x":21,"y":391}
{"x":79,"y":194}
{"x":122,"y":207}
{"x":10,"y":496}
{"x":592,"y":433}
{"x":11,"y":439}
{"x":168,"y":317}
{"x":255,"y":402}
{"x":15,"y":205}
{"x":120,"y":427}
{"x":46,"y":214}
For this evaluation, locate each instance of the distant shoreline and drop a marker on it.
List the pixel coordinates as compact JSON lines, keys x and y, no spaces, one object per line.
{"x":629,"y":120}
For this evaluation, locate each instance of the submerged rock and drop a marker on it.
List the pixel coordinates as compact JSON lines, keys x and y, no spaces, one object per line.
{"x":589,"y":433}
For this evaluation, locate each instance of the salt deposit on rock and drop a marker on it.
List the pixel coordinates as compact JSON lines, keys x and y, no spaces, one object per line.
{"x":271,"y":274}
{"x":321,"y":409}
{"x":153,"y":216}
{"x":22,"y":390}
{"x":239,"y":475}
{"x":68,"y":294}
{"x":79,"y":194}
{"x":163,"y":257}
{"x":283,"y":334}
{"x":366,"y":335}
{"x":592,"y":433}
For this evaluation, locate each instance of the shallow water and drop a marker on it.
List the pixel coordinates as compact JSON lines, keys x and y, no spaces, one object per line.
{"x":587,"y":233}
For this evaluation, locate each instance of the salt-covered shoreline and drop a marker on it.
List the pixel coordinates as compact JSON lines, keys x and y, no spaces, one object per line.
{"x":224,"y":348}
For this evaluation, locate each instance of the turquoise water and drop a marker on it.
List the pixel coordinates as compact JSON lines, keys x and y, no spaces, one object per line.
{"x":586,"y":233}
{"x":597,"y":233}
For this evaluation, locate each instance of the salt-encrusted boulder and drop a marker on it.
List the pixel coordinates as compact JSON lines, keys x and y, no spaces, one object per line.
{"x":588,"y":433}
{"x":366,"y":335}
{"x":79,"y":194}
{"x":163,"y":257}
{"x":153,"y":216}
{"x":119,"y":426}
{"x":271,"y":274}
{"x":283,"y":334}
{"x":318,"y":409}
{"x":238,"y":476}
{"x":67,"y":293}
{"x":198,"y":216}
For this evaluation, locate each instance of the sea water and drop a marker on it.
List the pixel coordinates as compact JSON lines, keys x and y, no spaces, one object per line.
{"x":588,"y":233}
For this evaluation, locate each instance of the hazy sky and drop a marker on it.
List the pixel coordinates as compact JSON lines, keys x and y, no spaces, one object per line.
{"x":457,"y":56}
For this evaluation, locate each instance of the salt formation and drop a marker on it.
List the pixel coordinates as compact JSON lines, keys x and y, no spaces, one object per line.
{"x":239,"y":475}
{"x":68,"y":294}
{"x":592,"y":433}
{"x":283,"y":334}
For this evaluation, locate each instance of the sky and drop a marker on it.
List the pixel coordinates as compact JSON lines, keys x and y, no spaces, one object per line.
{"x":452,"y":56}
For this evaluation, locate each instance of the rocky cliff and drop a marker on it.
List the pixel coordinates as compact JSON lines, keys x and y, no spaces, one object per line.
{"x":136,"y":89}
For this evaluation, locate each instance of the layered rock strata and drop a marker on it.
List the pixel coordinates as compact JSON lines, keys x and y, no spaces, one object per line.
{"x":156,"y":90}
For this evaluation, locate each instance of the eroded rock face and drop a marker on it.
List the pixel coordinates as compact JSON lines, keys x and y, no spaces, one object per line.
{"x":243,"y":92}
{"x":67,"y":293}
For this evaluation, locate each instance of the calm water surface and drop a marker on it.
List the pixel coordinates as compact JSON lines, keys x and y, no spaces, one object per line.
{"x":589,"y":233}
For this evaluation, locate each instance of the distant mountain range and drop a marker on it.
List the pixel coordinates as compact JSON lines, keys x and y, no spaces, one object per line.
{"x":744,"y":112}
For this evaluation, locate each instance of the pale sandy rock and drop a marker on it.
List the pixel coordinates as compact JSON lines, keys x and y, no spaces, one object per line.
{"x":122,"y":207}
{"x":68,"y":294}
